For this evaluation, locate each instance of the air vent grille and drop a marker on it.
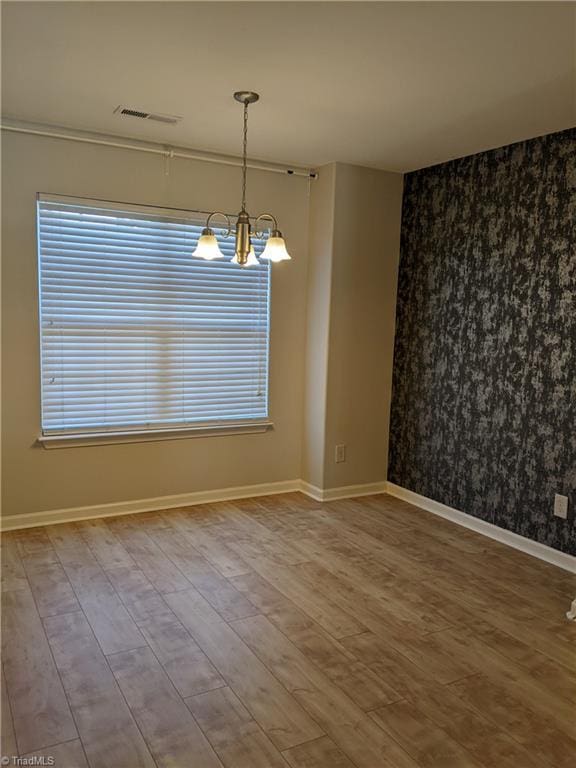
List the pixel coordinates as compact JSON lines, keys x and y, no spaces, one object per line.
{"x":142,"y":115}
{"x":134,"y":113}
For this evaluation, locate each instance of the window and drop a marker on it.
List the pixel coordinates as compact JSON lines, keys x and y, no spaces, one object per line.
{"x":136,"y":334}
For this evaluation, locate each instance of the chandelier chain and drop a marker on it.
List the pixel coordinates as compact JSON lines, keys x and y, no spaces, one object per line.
{"x":244,"y":158}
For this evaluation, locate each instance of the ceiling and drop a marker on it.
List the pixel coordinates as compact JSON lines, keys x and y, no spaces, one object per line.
{"x":390,"y":85}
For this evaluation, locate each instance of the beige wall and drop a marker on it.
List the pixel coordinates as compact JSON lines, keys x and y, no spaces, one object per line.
{"x":35,"y":479}
{"x":354,"y":250}
{"x":367,"y":220}
{"x":332,"y":327}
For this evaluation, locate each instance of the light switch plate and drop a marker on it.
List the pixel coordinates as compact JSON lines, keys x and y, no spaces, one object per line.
{"x":561,"y":506}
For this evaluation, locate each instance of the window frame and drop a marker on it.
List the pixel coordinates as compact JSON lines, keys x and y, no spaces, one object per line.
{"x":188,"y":430}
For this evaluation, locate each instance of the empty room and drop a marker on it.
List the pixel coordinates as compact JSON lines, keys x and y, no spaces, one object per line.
{"x":288,"y":384}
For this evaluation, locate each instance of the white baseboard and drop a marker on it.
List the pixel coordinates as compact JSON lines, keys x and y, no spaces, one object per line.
{"x":534,"y":548}
{"x":311,"y":490}
{"x":34,"y":519}
{"x":541,"y":551}
{"x":345,"y":492}
{"x":74,"y":514}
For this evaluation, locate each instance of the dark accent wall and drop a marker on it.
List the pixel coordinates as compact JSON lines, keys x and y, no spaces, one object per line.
{"x":484,"y":389}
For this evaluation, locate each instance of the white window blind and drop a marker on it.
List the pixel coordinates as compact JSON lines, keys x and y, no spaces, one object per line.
{"x":136,"y":334}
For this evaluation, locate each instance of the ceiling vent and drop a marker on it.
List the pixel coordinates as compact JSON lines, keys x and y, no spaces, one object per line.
{"x":142,"y":115}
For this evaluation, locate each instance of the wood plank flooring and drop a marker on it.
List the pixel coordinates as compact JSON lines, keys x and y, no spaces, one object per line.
{"x":277,"y":632}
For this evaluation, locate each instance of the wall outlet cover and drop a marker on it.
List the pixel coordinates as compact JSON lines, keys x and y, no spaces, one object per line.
{"x":340,"y":453}
{"x":561,"y":506}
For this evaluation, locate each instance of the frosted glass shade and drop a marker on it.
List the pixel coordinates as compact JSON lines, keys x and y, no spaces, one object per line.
{"x":252,"y":261}
{"x":207,"y":247}
{"x":275,"y":249}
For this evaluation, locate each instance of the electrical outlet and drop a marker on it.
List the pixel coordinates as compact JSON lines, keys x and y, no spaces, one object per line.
{"x":340,"y":454}
{"x":561,"y":506}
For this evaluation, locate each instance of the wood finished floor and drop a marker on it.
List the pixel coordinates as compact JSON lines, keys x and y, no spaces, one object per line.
{"x":278,"y":632}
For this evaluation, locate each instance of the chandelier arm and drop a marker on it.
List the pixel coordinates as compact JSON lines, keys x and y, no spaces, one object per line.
{"x":220,"y":213}
{"x":268,"y":216}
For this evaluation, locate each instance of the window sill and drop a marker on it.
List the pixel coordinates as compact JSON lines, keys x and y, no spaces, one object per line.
{"x":151,"y":436}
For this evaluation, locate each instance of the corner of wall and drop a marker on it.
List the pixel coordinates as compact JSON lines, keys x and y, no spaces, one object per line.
{"x":353,"y":264}
{"x":321,"y":237}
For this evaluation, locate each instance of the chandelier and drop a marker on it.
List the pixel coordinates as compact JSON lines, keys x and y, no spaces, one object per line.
{"x":244,"y":254}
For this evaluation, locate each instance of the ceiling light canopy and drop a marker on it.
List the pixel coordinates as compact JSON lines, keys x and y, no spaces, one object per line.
{"x":244,"y":254}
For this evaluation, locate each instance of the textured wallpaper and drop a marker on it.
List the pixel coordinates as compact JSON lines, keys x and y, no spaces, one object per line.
{"x":484,"y":393}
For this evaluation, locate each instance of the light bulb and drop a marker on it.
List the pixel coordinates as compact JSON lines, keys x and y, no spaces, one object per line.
{"x":275,"y":249}
{"x":208,"y":247}
{"x":251,"y":261}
